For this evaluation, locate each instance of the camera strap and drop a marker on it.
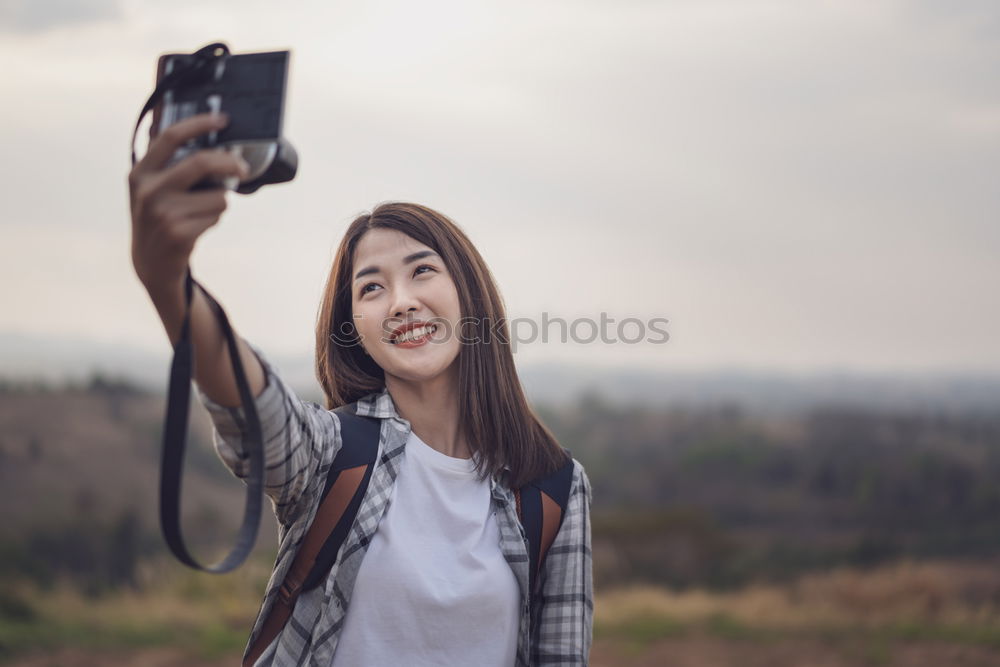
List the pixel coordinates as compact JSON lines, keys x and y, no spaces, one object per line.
{"x":175,"y":439}
{"x":195,"y":72}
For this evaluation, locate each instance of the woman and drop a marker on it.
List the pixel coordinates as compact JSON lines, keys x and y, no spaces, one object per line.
{"x":411,"y":326}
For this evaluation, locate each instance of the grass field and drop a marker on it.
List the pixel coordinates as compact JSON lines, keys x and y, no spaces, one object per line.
{"x":912,"y":614}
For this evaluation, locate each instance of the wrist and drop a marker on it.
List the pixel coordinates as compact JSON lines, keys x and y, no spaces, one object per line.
{"x":165,"y":292}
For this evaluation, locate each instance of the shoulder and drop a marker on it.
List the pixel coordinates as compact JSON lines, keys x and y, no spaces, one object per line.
{"x":580,"y":488}
{"x":575,"y":525}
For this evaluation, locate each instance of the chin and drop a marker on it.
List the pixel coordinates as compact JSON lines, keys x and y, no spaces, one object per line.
{"x":418,"y":372}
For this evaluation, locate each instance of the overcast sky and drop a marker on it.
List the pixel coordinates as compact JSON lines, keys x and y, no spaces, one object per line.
{"x":794,"y":185}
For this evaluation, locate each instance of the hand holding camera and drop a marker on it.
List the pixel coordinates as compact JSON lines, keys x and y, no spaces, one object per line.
{"x":232,"y":104}
{"x":167,"y":216}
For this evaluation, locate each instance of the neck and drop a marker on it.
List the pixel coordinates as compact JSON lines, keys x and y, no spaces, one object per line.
{"x":432,"y":409}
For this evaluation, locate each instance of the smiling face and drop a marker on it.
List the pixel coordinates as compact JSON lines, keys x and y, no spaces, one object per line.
{"x":397,"y":281}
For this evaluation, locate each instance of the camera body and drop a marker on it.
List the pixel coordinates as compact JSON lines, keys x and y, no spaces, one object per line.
{"x":250,"y":89}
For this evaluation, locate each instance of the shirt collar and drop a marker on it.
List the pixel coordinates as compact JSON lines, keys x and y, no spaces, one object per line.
{"x":377,"y":404}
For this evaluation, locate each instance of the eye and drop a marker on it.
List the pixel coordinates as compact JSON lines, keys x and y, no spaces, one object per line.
{"x":364,"y":289}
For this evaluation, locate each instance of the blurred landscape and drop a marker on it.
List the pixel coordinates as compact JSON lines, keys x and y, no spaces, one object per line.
{"x":832,"y":531}
{"x":806,"y":475}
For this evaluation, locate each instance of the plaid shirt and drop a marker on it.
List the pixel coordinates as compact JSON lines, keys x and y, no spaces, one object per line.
{"x":301,"y":440}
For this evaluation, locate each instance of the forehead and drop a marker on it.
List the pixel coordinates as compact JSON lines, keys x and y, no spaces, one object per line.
{"x":384,"y":246}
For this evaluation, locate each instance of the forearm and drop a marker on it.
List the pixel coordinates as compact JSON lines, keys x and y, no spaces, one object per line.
{"x":213,"y":369}
{"x":300,"y":440}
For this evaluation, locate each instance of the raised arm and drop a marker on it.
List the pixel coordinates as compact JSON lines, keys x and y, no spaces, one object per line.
{"x":167,"y":220}
{"x":300,"y":438}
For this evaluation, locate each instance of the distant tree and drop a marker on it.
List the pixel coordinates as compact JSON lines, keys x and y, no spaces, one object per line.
{"x":103,"y":384}
{"x":123,"y":558}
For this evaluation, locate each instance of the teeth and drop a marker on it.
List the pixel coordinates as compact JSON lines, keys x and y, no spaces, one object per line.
{"x":414,"y":334}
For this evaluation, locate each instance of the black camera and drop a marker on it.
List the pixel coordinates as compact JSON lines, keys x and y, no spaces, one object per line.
{"x":249,"y":88}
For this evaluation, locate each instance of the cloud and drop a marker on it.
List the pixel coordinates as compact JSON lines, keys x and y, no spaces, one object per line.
{"x":30,"y":17}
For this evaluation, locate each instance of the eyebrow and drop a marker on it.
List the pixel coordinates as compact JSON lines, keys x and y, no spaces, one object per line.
{"x":409,"y":259}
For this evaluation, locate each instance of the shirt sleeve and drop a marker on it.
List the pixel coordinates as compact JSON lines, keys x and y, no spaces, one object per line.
{"x":563,"y":611}
{"x":300,"y":440}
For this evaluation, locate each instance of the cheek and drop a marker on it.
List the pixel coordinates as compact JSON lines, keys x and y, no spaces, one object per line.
{"x":453,"y":302}
{"x":364,"y":324}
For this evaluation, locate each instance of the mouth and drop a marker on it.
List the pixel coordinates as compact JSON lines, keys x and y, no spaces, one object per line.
{"x":417,"y":334}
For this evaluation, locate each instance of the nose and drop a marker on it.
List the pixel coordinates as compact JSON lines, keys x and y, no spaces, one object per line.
{"x":403,"y":303}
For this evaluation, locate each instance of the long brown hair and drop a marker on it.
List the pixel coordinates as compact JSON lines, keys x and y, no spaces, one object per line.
{"x":494,"y":414}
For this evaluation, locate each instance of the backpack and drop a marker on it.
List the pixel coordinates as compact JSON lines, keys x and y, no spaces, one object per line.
{"x":541,"y":505}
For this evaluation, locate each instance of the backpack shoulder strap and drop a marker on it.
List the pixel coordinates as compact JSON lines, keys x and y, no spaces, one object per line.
{"x":343,"y":491}
{"x":541,"y":506}
{"x":345,"y":487}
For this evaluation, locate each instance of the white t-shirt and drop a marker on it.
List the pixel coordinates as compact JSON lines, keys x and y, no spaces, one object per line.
{"x":433,"y":589}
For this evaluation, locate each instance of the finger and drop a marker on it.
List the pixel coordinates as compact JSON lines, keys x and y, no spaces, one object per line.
{"x":183,"y":205}
{"x":182,"y":234}
{"x":195,"y":226}
{"x":163,"y":146}
{"x":170,"y":210}
{"x":214,"y":164}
